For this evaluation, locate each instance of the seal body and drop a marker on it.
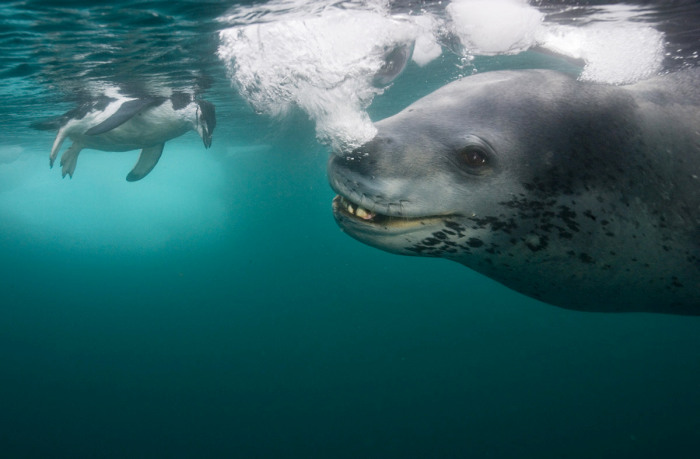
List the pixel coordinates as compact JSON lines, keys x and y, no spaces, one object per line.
{"x":123,"y":124}
{"x":582,"y":195}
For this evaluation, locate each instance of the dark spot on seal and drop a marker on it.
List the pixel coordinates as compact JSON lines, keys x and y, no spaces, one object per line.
{"x":564,"y":234}
{"x":536,"y":242}
{"x":440,"y":235}
{"x":584,"y":257}
{"x":475,"y":242}
{"x":495,"y":223}
{"x":456,"y":227}
{"x":568,"y":216}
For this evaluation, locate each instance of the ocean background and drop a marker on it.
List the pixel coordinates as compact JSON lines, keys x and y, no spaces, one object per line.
{"x":214,"y":309}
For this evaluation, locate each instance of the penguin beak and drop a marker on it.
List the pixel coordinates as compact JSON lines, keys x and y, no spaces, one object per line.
{"x":205,"y":134}
{"x":206,"y":121}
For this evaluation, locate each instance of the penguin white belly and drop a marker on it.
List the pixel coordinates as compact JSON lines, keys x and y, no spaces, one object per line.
{"x":148,"y":128}
{"x":133,"y":135}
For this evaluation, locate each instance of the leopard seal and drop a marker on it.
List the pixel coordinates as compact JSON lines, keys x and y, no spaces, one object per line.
{"x":582,"y":195}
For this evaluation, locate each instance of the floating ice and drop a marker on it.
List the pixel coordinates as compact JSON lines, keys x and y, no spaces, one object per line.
{"x":491,"y":27}
{"x":329,"y":64}
{"x":615,"y":48}
{"x":426,"y":48}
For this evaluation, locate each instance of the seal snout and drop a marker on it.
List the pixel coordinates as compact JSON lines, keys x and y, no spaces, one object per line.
{"x":361,"y":160}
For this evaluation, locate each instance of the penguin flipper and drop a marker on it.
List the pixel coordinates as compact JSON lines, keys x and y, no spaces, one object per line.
{"x":147,"y":161}
{"x":124,"y":113}
{"x":69,"y":159}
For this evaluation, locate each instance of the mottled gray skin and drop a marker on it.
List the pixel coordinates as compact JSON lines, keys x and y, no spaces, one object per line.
{"x":585,"y":196}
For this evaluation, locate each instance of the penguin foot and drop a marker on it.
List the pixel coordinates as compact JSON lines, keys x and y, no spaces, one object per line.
{"x":69,"y":160}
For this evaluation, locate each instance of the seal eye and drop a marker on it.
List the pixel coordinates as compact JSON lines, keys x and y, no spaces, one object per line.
{"x":474,"y":160}
{"x":474,"y":157}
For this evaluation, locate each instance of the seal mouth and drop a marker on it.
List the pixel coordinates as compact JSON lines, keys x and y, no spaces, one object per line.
{"x":352,"y":210}
{"x":346,"y":210}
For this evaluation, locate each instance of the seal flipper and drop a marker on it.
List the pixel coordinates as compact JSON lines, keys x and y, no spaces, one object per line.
{"x":124,"y":113}
{"x":69,"y":159}
{"x":147,"y":161}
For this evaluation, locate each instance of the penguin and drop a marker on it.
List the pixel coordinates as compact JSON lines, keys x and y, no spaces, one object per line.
{"x":123,"y":124}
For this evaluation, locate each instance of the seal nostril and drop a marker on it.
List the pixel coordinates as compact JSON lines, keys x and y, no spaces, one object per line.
{"x":357,"y":154}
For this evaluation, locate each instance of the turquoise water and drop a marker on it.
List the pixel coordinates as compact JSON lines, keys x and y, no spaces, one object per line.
{"x":214,"y":309}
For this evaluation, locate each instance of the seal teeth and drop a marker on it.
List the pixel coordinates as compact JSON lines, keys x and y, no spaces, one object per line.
{"x":356,"y":210}
{"x":362,"y":213}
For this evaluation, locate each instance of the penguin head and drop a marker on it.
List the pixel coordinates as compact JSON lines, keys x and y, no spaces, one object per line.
{"x":206,"y":121}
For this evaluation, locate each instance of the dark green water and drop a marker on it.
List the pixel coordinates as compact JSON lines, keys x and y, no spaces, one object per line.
{"x":216,"y":310}
{"x":272,"y":334}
